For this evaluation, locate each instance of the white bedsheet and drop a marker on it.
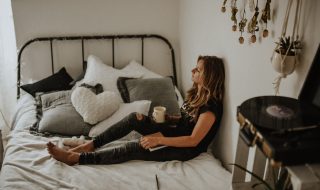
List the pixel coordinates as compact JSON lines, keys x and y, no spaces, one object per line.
{"x":27,"y":165}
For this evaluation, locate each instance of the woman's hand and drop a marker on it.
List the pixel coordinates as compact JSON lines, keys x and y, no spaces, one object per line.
{"x":149,"y":142}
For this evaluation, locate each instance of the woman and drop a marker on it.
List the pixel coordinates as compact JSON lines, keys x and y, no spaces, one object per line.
{"x":199,"y":122}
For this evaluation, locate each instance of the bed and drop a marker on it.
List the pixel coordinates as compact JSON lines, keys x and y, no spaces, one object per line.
{"x":27,"y":165}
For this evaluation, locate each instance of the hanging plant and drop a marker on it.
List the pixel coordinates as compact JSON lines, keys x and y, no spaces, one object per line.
{"x":284,"y":57}
{"x":234,"y":11}
{"x":265,"y":16}
{"x":288,"y":46}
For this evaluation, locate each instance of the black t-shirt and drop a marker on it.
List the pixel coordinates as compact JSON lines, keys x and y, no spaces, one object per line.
{"x":187,"y":124}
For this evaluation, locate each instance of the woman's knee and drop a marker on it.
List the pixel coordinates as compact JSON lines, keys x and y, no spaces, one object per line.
{"x":136,"y":116}
{"x":139,"y":116}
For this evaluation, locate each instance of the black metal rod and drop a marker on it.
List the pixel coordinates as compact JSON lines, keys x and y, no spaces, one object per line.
{"x":142,"y":50}
{"x":82,"y":51}
{"x":95,"y":37}
{"x":52,"y":64}
{"x":174,"y":67}
{"x":113,"y":52}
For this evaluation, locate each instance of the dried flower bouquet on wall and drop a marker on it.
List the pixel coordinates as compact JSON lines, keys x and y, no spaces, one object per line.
{"x":253,"y":25}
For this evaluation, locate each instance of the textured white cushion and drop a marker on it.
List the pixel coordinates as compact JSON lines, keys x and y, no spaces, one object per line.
{"x":125,"y":109}
{"x":98,"y":72}
{"x":136,"y":68}
{"x":94,"y":108}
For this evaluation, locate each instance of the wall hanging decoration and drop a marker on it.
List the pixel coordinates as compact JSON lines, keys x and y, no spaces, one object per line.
{"x":242,"y":25}
{"x":253,"y":24}
{"x":285,"y":55}
{"x":223,"y":8}
{"x":234,"y":11}
{"x":265,"y":16}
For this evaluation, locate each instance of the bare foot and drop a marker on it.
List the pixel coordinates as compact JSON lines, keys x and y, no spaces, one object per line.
{"x":86,"y":147}
{"x":70,"y":158}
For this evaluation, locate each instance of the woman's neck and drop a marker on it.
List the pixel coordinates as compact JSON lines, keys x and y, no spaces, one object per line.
{"x":199,"y":89}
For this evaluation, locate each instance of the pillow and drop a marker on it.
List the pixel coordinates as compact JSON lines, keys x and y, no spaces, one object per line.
{"x":124,"y":110}
{"x":137,"y":68}
{"x":55,"y":82}
{"x":179,"y":97}
{"x":160,"y":91}
{"x":94,"y":107}
{"x":98,"y":72}
{"x":57,"y":115}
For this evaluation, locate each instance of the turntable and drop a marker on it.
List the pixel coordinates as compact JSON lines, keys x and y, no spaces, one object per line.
{"x":287,"y":130}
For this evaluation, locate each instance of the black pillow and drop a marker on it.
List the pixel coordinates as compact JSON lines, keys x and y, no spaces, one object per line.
{"x":160,"y":91}
{"x":56,"y":82}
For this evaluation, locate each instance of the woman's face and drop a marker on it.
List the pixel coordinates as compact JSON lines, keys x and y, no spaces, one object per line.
{"x":197,"y":73}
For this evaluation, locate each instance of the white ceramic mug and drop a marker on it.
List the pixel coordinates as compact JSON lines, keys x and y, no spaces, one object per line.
{"x":159,"y":113}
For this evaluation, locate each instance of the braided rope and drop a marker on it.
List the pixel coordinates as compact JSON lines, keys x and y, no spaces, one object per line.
{"x":277,"y":81}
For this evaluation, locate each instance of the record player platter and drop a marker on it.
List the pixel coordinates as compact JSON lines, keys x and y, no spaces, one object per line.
{"x":279,"y":113}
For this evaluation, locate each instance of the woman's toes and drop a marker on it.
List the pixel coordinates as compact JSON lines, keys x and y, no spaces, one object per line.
{"x":50,"y":144}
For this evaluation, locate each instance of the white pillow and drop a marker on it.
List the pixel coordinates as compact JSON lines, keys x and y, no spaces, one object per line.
{"x":179,"y":96}
{"x":98,"y":72}
{"x":94,"y":107}
{"x":125,"y":109}
{"x":136,"y":68}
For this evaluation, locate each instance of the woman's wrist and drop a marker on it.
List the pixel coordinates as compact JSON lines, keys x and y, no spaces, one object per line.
{"x":159,"y":140}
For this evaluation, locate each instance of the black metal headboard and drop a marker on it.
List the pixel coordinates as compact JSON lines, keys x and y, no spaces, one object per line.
{"x":95,"y":37}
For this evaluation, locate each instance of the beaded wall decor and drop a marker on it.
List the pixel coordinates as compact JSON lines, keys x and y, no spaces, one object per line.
{"x":253,"y":25}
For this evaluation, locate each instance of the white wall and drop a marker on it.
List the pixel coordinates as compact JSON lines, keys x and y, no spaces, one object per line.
{"x":205,"y":30}
{"x":7,"y":61}
{"x":34,"y":18}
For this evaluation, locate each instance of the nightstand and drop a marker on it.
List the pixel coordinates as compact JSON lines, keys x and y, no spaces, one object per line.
{"x":304,"y":177}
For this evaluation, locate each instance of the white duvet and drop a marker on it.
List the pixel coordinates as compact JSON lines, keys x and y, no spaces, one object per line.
{"x":27,"y":165}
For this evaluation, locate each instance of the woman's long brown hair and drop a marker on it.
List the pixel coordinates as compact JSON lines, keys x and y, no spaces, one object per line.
{"x":213,"y":85}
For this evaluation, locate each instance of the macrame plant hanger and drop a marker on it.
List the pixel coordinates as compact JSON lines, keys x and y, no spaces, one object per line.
{"x":294,"y":37}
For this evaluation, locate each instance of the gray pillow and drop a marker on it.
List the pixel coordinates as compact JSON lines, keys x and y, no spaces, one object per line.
{"x":160,"y":91}
{"x":57,"y":115}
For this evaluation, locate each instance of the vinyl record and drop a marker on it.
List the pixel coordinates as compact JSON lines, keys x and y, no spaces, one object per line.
{"x":280,"y":113}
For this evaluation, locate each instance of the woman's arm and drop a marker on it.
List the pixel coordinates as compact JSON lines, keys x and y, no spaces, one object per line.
{"x":203,"y":125}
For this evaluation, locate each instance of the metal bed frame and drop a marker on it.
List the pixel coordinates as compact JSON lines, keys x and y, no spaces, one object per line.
{"x":142,"y":37}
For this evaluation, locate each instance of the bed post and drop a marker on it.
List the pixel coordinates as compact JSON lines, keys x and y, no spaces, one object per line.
{"x":52,"y":64}
{"x":142,"y":50}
